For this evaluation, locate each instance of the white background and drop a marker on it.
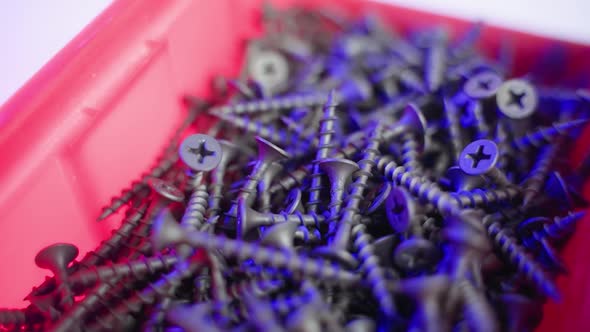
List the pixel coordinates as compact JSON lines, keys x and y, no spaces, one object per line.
{"x":32,"y":31}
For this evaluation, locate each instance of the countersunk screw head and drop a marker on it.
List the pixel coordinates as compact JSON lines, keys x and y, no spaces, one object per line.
{"x":400,"y":209}
{"x":166,"y":189}
{"x":200,"y":152}
{"x":293,"y":201}
{"x":460,"y":181}
{"x":56,"y":257}
{"x":416,"y":254}
{"x":270,"y":69}
{"x":482,"y":85}
{"x":479,"y":157}
{"x":517,"y":98}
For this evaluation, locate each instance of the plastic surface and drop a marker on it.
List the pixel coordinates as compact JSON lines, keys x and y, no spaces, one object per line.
{"x":97,"y":115}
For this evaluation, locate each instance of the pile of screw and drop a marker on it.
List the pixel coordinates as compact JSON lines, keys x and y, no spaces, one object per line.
{"x":355,"y":181}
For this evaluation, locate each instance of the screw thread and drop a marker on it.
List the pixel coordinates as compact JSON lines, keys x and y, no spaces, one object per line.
{"x":518,"y":256}
{"x":284,"y":304}
{"x":194,"y":179}
{"x":421,"y":188}
{"x":91,"y":303}
{"x":134,"y":305}
{"x":14,"y":317}
{"x":269,"y":219}
{"x":159,"y":312}
{"x":358,"y":187}
{"x":410,"y":153}
{"x":258,"y":128}
{"x":478,"y":309}
{"x":138,"y":270}
{"x":143,"y":248}
{"x":108,"y":248}
{"x":264,"y":197}
{"x":296,"y":177}
{"x":138,"y":241}
{"x":382,"y":162}
{"x":128,"y":194}
{"x":435,"y":65}
{"x":194,"y":214}
{"x":560,"y":226}
{"x":454,"y":124}
{"x":275,"y":258}
{"x":163,"y":164}
{"x":503,"y":139}
{"x":481,"y":125}
{"x":291,"y":179}
{"x":308,"y":236}
{"x":271,"y":104}
{"x":325,"y":145}
{"x":374,"y":272}
{"x":298,"y":128}
{"x":536,"y":179}
{"x":479,"y":198}
{"x":217,"y":183}
{"x":257,"y":287}
{"x":215,"y":198}
{"x":546,"y":135}
{"x":249,"y":188}
{"x":336,"y":201}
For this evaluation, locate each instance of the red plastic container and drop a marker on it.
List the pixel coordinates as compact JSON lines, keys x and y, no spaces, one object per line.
{"x":97,"y":115}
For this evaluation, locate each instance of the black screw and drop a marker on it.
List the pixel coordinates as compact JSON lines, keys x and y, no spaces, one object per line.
{"x":517,"y":99}
{"x":534,"y":182}
{"x":518,"y":257}
{"x":249,"y":219}
{"x":480,"y":158}
{"x":228,"y":152}
{"x":452,"y":115}
{"x":56,"y":258}
{"x":164,"y":163}
{"x":168,"y":232}
{"x":200,"y":153}
{"x":429,"y":294}
{"x":546,"y":135}
{"x":337,"y":249}
{"x":340,"y":172}
{"x":325,"y":145}
{"x":375,"y":274}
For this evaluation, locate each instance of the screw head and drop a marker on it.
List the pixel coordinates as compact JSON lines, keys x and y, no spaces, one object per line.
{"x":56,"y":256}
{"x":416,"y":254}
{"x":517,"y":98}
{"x":461,"y":181}
{"x":166,"y":189}
{"x":400,"y":208}
{"x":293,"y":201}
{"x":384,"y":247}
{"x":200,"y":152}
{"x":270,"y":69}
{"x":280,"y":235}
{"x":528,"y":227}
{"x":270,"y":152}
{"x":479,"y":157}
{"x":482,"y":85}
{"x":379,"y":197}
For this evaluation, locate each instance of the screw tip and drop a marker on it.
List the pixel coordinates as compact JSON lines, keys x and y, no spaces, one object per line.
{"x":332,"y":101}
{"x":105,"y":214}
